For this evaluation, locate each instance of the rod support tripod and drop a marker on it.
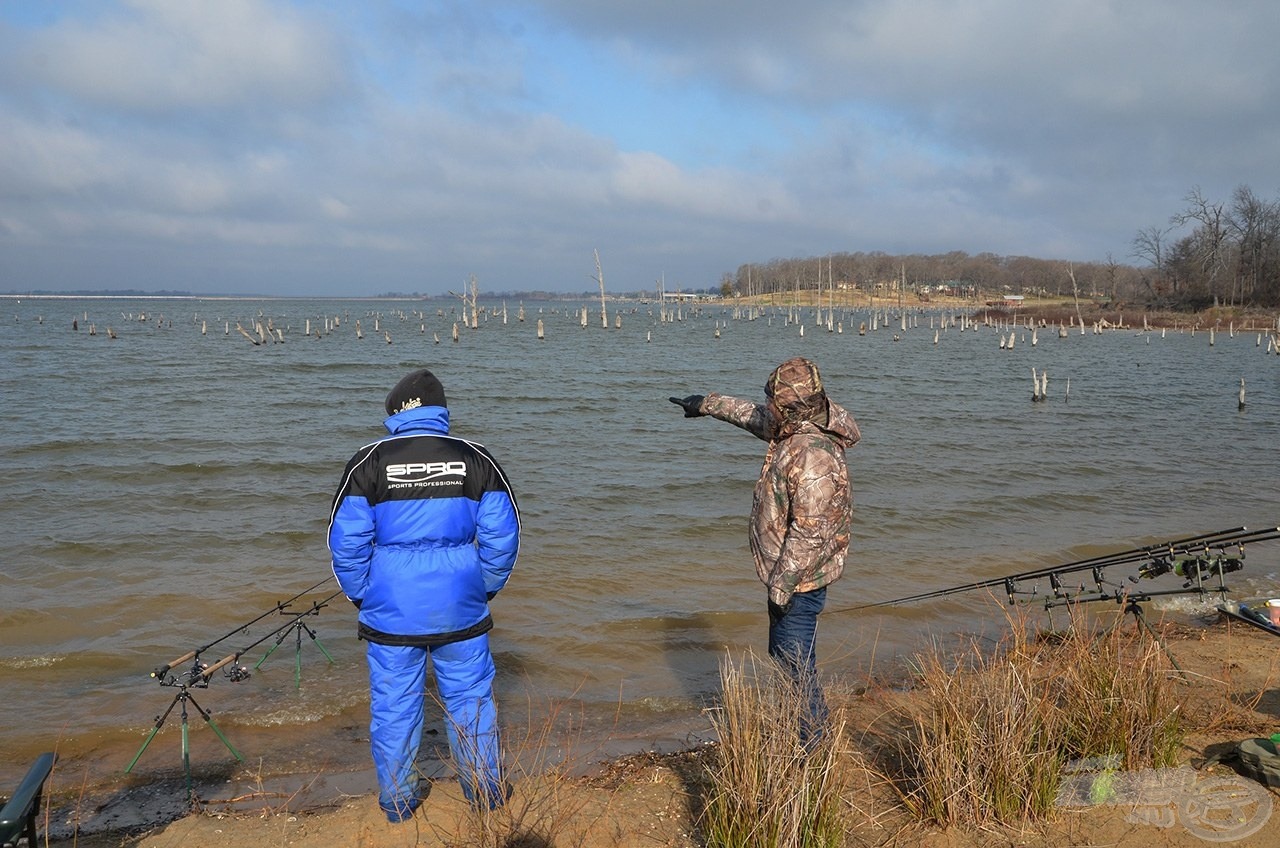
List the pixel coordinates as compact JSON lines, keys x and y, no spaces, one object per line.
{"x":195,"y":678}
{"x":1132,"y":606}
{"x":297,"y":627}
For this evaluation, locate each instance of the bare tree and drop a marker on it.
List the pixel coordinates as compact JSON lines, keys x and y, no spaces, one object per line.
{"x":1254,"y":224}
{"x":604,"y":313}
{"x":1149,"y":245}
{"x":1210,"y":238}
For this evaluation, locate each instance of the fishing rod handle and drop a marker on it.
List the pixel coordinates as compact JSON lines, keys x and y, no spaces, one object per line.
{"x":227,"y":660}
{"x":162,"y":670}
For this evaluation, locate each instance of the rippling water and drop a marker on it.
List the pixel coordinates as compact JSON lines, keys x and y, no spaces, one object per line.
{"x":161,"y":488}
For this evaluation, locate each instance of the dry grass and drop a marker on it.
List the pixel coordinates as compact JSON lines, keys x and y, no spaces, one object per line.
{"x":768,"y":790}
{"x":545,"y":810}
{"x":990,"y":736}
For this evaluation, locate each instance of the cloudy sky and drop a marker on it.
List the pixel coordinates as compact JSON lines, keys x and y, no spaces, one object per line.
{"x":335,"y":148}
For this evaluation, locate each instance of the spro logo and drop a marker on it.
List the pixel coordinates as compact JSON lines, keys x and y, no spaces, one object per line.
{"x":424,"y":473}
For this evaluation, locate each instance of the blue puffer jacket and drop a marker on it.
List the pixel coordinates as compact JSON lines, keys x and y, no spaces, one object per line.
{"x":424,"y":531}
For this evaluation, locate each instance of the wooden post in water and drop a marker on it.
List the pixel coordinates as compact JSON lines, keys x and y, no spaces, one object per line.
{"x":541,"y":336}
{"x":1241,"y":403}
{"x":475,"y":313}
{"x":604,"y":314}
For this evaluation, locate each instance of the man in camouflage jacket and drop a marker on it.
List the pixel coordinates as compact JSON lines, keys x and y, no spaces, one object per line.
{"x":801,"y":511}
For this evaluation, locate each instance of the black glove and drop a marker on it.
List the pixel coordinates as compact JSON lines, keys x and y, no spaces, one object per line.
{"x":777,"y":613}
{"x":692,"y":405}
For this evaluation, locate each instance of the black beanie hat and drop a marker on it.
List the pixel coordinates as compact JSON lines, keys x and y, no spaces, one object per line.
{"x":421,"y":388}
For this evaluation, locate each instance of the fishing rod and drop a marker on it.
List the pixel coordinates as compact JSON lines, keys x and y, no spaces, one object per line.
{"x":1192,"y":554}
{"x":160,"y":671}
{"x":200,"y":673}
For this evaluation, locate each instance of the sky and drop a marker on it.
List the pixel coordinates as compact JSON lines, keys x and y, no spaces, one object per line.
{"x":330,"y":148}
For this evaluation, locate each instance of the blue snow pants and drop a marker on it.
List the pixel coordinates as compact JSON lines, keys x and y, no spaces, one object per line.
{"x":397,"y":688}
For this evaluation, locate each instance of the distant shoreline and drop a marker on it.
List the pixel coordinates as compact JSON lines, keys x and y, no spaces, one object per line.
{"x":537,"y":296}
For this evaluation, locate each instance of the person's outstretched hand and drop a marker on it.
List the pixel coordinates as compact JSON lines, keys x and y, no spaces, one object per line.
{"x":692,"y":405}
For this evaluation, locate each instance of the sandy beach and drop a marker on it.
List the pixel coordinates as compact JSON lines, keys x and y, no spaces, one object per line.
{"x":652,"y":798}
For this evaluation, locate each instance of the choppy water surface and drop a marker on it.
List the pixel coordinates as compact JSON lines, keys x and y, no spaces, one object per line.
{"x":161,"y":488}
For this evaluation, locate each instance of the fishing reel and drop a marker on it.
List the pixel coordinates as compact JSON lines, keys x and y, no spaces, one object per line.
{"x":1200,"y":568}
{"x":1153,"y":569}
{"x":238,"y":674}
{"x":192,"y":677}
{"x":1192,"y":569}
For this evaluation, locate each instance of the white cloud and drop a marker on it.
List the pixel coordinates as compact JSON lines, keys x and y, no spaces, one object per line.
{"x":153,"y":57}
{"x":681,"y":138}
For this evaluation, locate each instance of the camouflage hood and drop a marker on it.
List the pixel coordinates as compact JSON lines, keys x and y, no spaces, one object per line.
{"x":796,"y":396}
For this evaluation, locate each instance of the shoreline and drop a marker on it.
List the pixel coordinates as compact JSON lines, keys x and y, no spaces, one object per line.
{"x":306,"y":770}
{"x":642,"y":789}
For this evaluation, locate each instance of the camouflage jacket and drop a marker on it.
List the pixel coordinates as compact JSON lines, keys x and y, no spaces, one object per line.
{"x":802,"y":508}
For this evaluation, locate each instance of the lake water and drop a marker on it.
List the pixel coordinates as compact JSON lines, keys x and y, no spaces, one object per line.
{"x":161,"y":488}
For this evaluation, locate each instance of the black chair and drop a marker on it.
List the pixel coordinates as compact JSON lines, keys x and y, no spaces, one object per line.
{"x":18,"y":818}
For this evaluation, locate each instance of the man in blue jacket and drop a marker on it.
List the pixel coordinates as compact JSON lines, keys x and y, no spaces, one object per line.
{"x":424,"y":532}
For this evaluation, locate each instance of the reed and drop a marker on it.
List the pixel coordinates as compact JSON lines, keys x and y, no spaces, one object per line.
{"x":992,"y":731}
{"x":767,"y":789}
{"x":1115,"y":697}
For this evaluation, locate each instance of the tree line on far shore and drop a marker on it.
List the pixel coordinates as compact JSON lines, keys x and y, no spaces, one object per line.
{"x":1211,"y":253}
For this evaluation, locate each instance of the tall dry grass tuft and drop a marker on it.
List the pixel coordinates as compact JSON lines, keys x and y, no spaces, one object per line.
{"x":989,"y":738}
{"x":1116,"y":698}
{"x":543,"y":809}
{"x":980,"y":747}
{"x":768,"y":790}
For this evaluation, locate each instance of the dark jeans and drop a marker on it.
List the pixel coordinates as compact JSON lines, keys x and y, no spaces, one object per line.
{"x":792,"y":643}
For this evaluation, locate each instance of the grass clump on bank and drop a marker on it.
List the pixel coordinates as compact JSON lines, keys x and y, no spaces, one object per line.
{"x":993,"y":731}
{"x":767,"y":788}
